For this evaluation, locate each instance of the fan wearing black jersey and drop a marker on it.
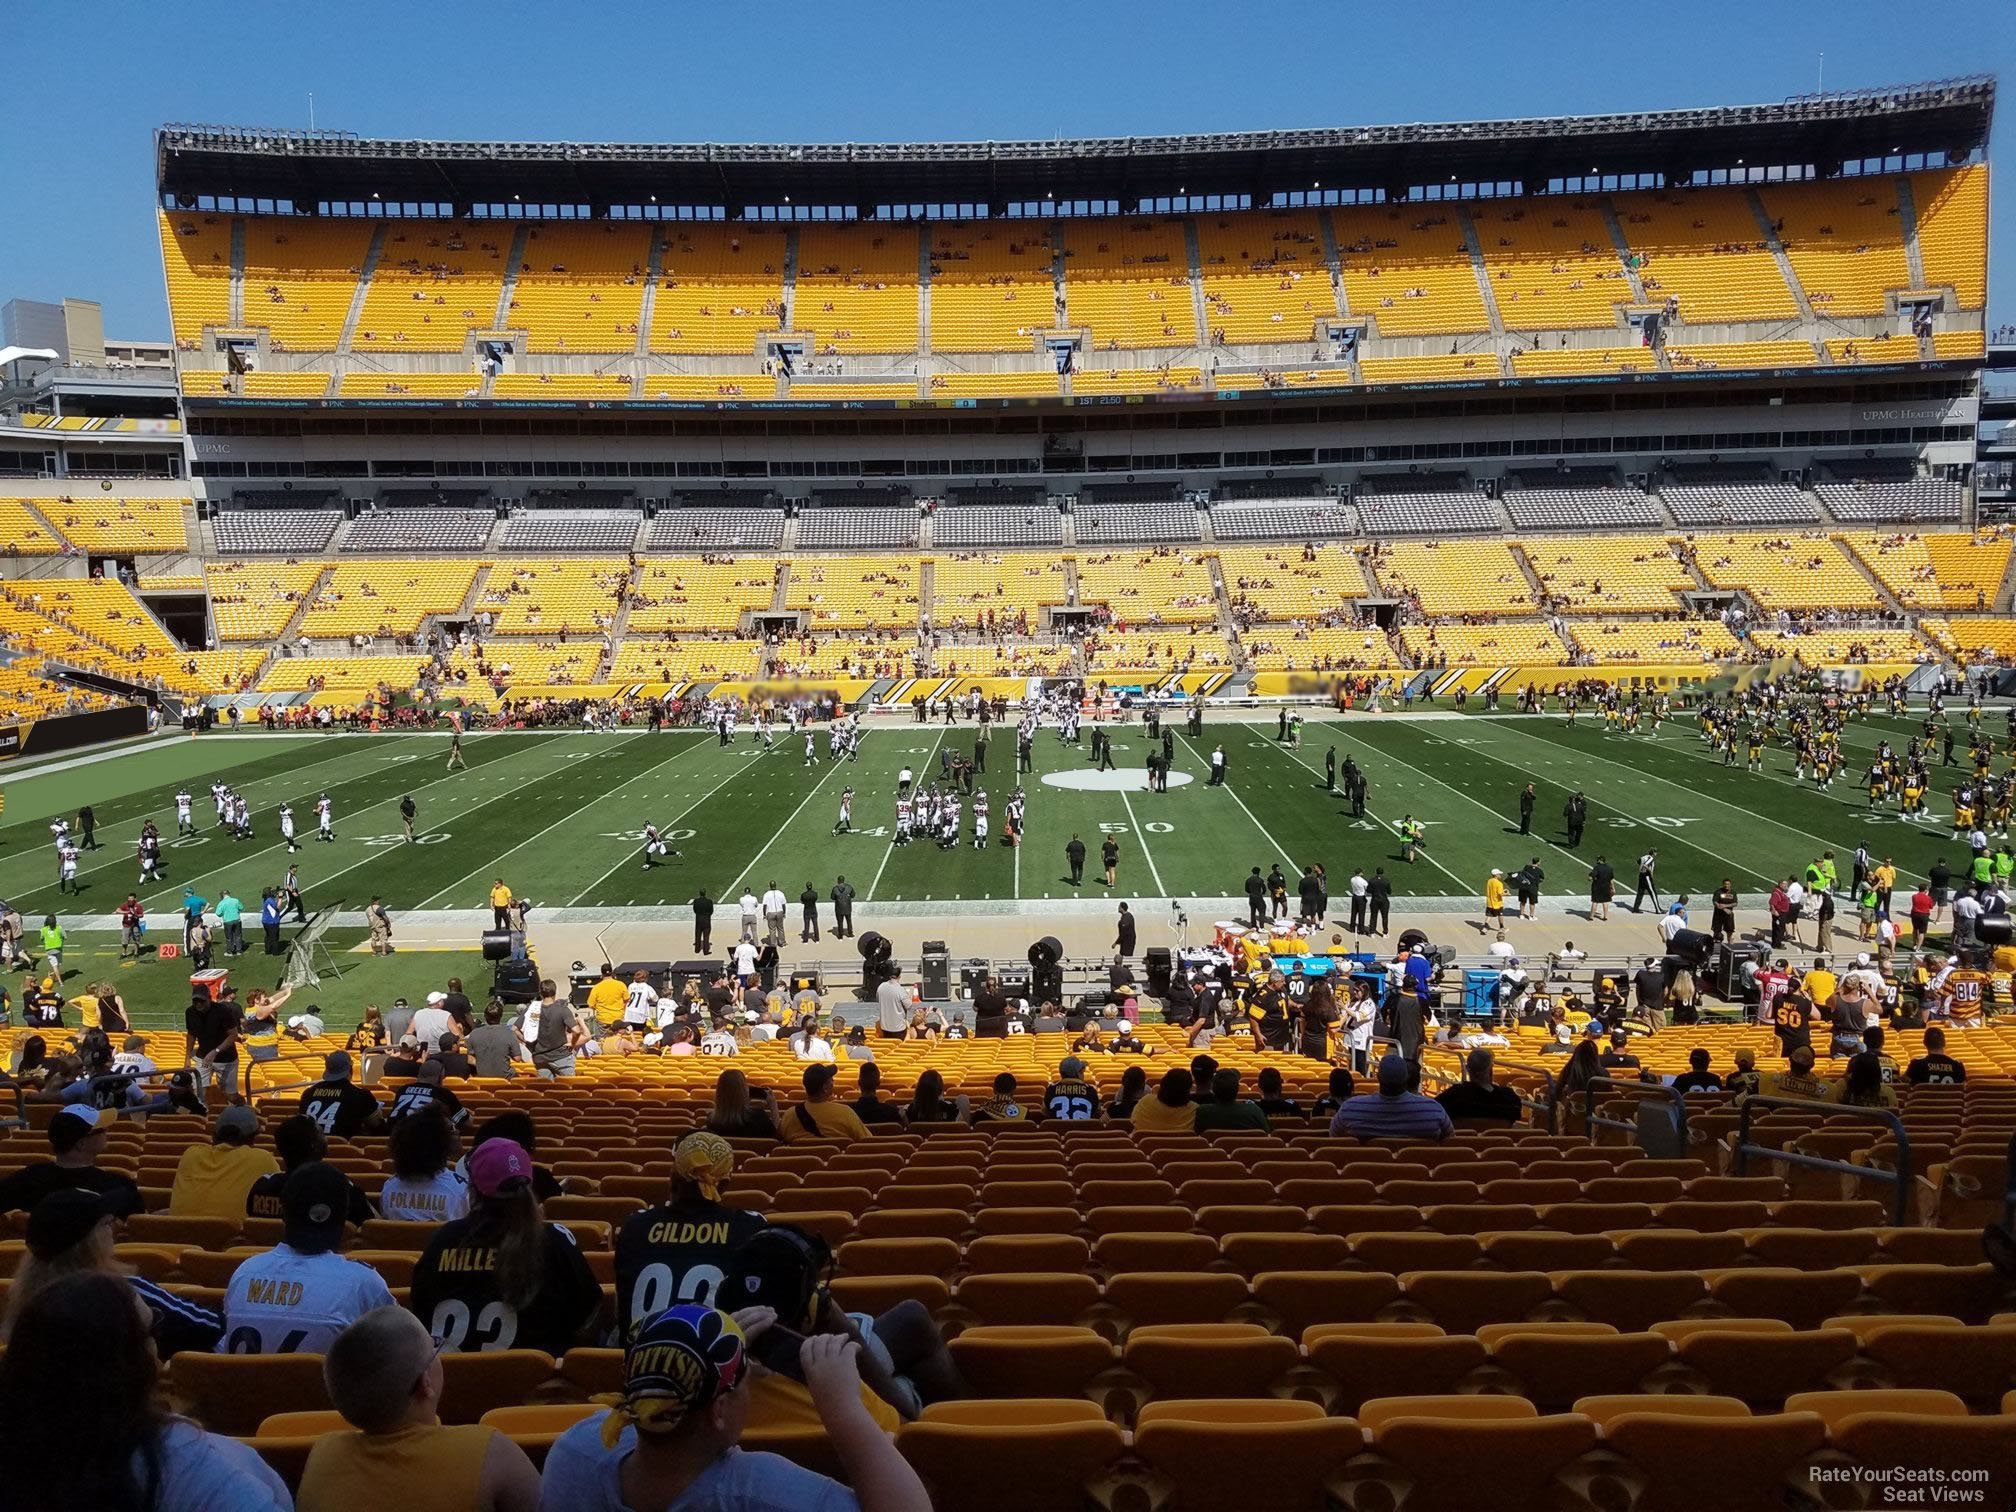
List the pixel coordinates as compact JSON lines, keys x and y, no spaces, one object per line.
{"x":503,"y":1277}
{"x":678,"y":1251}
{"x":1071,"y":1098}
{"x":336,"y":1104}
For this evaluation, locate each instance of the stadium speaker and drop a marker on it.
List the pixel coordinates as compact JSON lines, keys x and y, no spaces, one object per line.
{"x":1691,"y":946}
{"x":1161,"y":968}
{"x":972,"y":976}
{"x":657,"y":973}
{"x":875,"y":963}
{"x":515,"y":982}
{"x":1047,"y":951}
{"x":1994,"y":931}
{"x":1729,"y":963}
{"x":1015,"y":982}
{"x":935,"y":971}
{"x":679,"y":973}
{"x":806,"y":981}
{"x":496,"y":944}
{"x":1410,"y":938}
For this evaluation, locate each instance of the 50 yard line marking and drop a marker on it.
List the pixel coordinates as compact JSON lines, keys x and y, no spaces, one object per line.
{"x":1142,"y":835}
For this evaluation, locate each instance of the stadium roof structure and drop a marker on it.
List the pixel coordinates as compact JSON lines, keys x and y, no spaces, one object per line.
{"x":1950,"y":116}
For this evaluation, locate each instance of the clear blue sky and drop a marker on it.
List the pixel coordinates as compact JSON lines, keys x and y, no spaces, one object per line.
{"x":88,"y":83}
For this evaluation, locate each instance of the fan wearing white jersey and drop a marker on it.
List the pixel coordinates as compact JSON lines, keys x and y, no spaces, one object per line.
{"x":298,"y":1296}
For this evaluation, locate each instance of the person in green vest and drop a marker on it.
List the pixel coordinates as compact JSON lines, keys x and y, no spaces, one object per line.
{"x":1982,"y":868}
{"x":52,"y":947}
{"x":2004,"y":861}
{"x":1829,"y":872}
{"x":1865,"y":902}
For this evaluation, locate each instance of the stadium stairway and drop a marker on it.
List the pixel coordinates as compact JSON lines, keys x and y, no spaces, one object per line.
{"x":927,"y":579}
{"x":788,"y":293}
{"x":2005,"y":595}
{"x":1623,"y":247}
{"x":924,"y":296}
{"x":237,"y":306}
{"x":1483,"y":274}
{"x":654,"y":269}
{"x":1907,"y":218}
{"x":1770,"y":235}
{"x":1532,"y":574}
{"x":1196,"y":261}
{"x":356,"y":312}
{"x":509,"y":288}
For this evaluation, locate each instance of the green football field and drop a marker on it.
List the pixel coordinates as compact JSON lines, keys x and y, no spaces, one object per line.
{"x":558,"y":814}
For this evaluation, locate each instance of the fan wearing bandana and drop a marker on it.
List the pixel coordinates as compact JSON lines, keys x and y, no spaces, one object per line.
{"x":679,"y":1250}
{"x":670,"y":1438}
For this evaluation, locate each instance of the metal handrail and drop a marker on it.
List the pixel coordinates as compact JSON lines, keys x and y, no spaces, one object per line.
{"x":1900,"y":1177}
{"x":1593,"y":1120}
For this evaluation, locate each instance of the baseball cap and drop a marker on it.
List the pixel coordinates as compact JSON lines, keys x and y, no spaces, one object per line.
{"x":62,"y":1220}
{"x":677,"y":1364}
{"x":705,"y":1160}
{"x":1071,"y":1066}
{"x":238,"y":1120}
{"x":409,"y":1042}
{"x":336,"y":1066}
{"x":818,"y":1077}
{"x":498,"y":1164}
{"x":85,"y":1114}
{"x":436,"y":997}
{"x":315,"y":1196}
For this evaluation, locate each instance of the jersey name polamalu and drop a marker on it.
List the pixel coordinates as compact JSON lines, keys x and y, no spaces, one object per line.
{"x":666,"y":1256}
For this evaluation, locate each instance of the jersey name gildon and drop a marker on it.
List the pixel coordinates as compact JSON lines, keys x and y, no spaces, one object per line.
{"x":688,"y":1233}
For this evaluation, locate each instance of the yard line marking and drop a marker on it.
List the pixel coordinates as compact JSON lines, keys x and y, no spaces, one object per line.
{"x":765,"y":848}
{"x":672,"y":823}
{"x":304,"y":835}
{"x":1146,"y":854}
{"x":1278,"y":846}
{"x":570,"y":814}
{"x":122,"y":852}
{"x":1391,"y":827}
{"x":485,"y":803}
{"x":890,"y":849}
{"x":1681,"y":787}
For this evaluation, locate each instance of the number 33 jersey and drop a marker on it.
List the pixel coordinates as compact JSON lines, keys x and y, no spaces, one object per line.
{"x":287,"y":1302}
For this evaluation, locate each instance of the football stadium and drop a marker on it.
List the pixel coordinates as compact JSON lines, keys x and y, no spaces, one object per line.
{"x":1457,"y":951}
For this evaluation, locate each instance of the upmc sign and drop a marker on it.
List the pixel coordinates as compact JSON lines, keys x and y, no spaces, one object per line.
{"x":10,"y":741}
